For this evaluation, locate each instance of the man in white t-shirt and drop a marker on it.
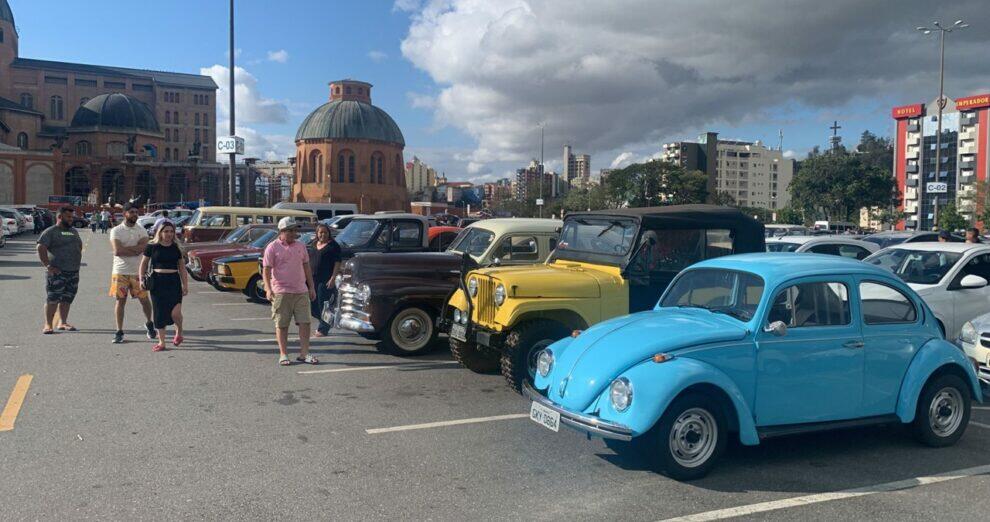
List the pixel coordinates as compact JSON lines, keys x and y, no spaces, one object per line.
{"x":128,"y":241}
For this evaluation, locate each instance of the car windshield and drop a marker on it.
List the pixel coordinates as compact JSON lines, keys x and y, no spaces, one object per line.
{"x":916,"y":266}
{"x":264,"y":239}
{"x":729,"y":292}
{"x":358,"y":233}
{"x":885,"y":241}
{"x":782,"y":246}
{"x":607,"y":236}
{"x":473,"y":240}
{"x":235,"y":235}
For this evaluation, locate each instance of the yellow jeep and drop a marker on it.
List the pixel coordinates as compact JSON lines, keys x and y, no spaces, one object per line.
{"x":607,"y":263}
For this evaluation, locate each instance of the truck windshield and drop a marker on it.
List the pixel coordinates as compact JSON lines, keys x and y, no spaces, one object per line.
{"x":607,"y":236}
{"x":729,"y":292}
{"x":358,"y":233}
{"x":473,"y":240}
{"x":916,"y":266}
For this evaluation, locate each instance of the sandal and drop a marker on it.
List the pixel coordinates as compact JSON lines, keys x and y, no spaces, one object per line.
{"x":309,"y":359}
{"x":67,"y":328}
{"x":158,"y":348}
{"x":47,"y":331}
{"x":177,"y":340}
{"x":284,"y":360}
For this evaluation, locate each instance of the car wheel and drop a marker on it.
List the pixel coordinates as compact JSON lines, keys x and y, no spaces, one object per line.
{"x":410,"y":331}
{"x":523,"y":346}
{"x":943,"y":411}
{"x":470,"y":357}
{"x":688,"y":439}
{"x":255,"y":290}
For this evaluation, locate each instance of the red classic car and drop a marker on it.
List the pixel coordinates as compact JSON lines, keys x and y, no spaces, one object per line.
{"x":200,"y":261}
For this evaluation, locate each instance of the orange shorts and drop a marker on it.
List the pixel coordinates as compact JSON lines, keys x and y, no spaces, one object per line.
{"x":121,"y":285}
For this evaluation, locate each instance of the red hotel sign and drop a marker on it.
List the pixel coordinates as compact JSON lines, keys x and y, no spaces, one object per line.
{"x":973,"y":102}
{"x":907,"y":111}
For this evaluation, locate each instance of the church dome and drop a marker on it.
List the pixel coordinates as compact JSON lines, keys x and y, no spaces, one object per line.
{"x":116,"y":112}
{"x":6,"y":14}
{"x":350,"y":119}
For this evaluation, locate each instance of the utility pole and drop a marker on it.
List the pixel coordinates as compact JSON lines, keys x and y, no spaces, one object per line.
{"x":233,"y":155}
{"x":542,"y":169}
{"x":942,"y":31}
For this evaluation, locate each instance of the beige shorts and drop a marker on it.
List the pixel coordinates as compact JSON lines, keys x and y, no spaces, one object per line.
{"x":286,"y":307}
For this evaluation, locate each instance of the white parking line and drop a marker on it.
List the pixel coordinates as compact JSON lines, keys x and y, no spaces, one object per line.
{"x":251,"y":319}
{"x":980,"y":425}
{"x":442,"y":424}
{"x":981,"y":408}
{"x":361,"y":368}
{"x":764,"y":507}
{"x":234,"y":304}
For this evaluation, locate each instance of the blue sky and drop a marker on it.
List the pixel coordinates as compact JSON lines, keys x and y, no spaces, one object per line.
{"x":469,"y":85}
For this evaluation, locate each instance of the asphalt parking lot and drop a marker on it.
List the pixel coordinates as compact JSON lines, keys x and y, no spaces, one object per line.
{"x":215,"y":429}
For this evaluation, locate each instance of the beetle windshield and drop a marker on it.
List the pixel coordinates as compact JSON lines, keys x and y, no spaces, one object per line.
{"x":358,"y":233}
{"x":720,"y":291}
{"x":781,"y":246}
{"x":607,"y":236}
{"x":923,"y":267}
{"x":473,"y":240}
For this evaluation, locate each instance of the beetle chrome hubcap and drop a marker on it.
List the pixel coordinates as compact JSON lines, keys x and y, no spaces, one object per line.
{"x":693,"y":437}
{"x":945,"y":412}
{"x":412,"y":330}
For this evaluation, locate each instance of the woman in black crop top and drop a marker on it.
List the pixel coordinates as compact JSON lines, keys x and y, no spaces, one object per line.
{"x":163,"y":273}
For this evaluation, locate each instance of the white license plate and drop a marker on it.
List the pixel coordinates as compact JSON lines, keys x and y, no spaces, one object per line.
{"x":544,"y":416}
{"x":459,"y":332}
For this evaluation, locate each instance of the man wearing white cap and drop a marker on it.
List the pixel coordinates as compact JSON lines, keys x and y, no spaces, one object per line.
{"x":289,"y":287}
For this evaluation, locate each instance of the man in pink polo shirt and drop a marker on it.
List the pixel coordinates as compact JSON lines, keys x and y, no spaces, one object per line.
{"x":289,"y":286}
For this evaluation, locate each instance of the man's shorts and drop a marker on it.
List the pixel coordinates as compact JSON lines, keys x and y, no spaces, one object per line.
{"x":286,"y":307}
{"x":62,"y":287}
{"x":121,"y":285}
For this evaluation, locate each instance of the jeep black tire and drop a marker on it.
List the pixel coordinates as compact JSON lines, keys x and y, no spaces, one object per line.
{"x":253,"y":290}
{"x":688,"y":439}
{"x":943,"y":411}
{"x":470,"y":357}
{"x":410,"y":331}
{"x":523,"y":345}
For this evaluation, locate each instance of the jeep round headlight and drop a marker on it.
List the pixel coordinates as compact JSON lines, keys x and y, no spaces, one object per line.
{"x":457,"y":315}
{"x":968,"y":333}
{"x":544,"y":363}
{"x":621,"y":394}
{"x":473,"y":287}
{"x":499,"y":294}
{"x":464,"y":317}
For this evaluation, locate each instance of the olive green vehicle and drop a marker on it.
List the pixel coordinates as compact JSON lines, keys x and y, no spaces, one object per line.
{"x":607,"y":263}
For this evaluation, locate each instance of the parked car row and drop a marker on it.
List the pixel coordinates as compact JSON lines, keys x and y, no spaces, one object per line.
{"x":669,"y":331}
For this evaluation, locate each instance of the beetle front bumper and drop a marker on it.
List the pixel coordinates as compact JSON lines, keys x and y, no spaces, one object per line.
{"x":580,"y":421}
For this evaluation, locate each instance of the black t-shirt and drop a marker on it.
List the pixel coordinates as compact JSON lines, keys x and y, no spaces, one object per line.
{"x":321,"y":261}
{"x":164,"y":257}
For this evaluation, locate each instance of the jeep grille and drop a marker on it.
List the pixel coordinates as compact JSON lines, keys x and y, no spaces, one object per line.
{"x":484,"y":303}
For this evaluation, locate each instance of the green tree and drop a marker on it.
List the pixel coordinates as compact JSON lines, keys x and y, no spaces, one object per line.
{"x":838,"y":185}
{"x":790,"y":216}
{"x":875,"y":151}
{"x":950,"y":219}
{"x":654,"y":183}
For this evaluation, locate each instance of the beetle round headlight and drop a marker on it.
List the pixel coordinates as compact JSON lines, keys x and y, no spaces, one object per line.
{"x":457,"y":315}
{"x":621,"y":394}
{"x":544,"y":363}
{"x":499,"y":294}
{"x":473,"y":287}
{"x":968,"y":333}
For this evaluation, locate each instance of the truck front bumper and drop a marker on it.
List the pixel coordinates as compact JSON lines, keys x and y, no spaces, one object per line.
{"x":581,"y":421}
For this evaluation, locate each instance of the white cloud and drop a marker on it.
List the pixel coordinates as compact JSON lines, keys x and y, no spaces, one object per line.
{"x":251,"y":106}
{"x":643,"y":72}
{"x":421,"y":101}
{"x":269,"y":147}
{"x":788,"y":153}
{"x":280,"y":56}
{"x":377,"y":56}
{"x":622,"y":160}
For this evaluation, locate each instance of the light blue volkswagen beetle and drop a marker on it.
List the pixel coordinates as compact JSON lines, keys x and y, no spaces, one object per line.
{"x":754,"y":346}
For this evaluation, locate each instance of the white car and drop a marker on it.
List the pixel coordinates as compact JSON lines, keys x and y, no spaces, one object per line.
{"x":974,"y":339}
{"x":19,"y":225}
{"x":149,"y":219}
{"x":952,"y":278}
{"x":832,"y":245}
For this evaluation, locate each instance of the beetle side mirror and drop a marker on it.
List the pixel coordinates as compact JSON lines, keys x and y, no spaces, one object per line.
{"x":973,"y":281}
{"x":777,"y":328}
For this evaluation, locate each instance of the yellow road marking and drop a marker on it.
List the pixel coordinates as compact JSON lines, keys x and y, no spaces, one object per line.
{"x":13,"y":407}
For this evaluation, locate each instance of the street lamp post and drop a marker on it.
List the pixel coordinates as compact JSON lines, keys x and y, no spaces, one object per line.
{"x":942,"y":31}
{"x":233,"y":155}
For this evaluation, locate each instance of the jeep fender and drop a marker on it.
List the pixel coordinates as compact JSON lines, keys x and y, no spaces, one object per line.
{"x":933,"y":355}
{"x":576,"y":314}
{"x":656,"y":385}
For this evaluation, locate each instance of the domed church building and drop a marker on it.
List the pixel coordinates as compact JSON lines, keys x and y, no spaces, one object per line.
{"x":349,"y":151}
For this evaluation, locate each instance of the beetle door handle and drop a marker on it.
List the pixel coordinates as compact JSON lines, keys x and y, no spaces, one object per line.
{"x":853,"y":344}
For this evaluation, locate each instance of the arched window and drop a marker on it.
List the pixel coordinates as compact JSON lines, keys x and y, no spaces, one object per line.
{"x":341,"y":159}
{"x":168,"y":117}
{"x":175,"y":116}
{"x":350,"y":169}
{"x":22,"y":141}
{"x":397,"y":169}
{"x":57,"y":108}
{"x":83,"y":148}
{"x":197,"y":118}
{"x":380,"y":164}
{"x":375,"y":167}
{"x":168,"y":134}
{"x":175,"y":154}
{"x":314,"y":171}
{"x":27,"y":101}
{"x":168,"y":154}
